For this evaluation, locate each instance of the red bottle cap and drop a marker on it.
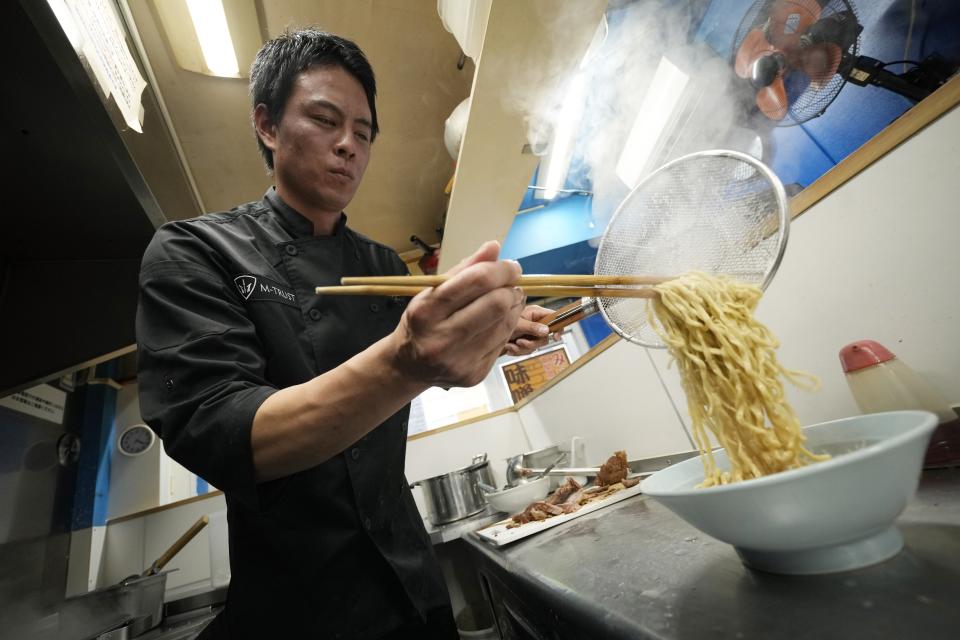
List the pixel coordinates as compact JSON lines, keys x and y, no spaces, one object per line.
{"x":863,"y":354}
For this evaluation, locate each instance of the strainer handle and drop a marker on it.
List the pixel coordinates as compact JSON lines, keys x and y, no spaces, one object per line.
{"x":571,"y":313}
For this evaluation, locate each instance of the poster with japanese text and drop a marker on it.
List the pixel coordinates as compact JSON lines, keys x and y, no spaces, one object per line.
{"x":523,"y":377}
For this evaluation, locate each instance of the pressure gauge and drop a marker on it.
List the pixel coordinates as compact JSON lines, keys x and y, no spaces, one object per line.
{"x":135,"y":440}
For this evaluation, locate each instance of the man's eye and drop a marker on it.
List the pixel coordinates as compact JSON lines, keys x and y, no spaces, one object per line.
{"x":325,"y":121}
{"x":363,"y":137}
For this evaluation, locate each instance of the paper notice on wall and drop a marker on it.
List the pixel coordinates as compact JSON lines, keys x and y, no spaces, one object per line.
{"x":105,"y":48}
{"x":42,"y":401}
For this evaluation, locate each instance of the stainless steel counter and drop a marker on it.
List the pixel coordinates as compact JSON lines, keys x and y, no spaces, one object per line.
{"x":635,"y":570}
{"x":455,"y":530}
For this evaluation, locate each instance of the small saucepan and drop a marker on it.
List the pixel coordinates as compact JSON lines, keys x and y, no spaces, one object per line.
{"x":456,"y":495}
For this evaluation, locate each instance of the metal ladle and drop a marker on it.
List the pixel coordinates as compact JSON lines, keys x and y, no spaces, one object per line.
{"x":551,"y":466}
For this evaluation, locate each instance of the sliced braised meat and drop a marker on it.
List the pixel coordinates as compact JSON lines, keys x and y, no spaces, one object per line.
{"x":564,"y":491}
{"x":571,"y":496}
{"x":613,"y":470}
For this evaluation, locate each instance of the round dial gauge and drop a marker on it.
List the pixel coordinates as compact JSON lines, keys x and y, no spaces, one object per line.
{"x":135,"y":440}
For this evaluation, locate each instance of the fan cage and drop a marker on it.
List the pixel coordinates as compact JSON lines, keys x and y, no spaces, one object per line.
{"x":809,"y":103}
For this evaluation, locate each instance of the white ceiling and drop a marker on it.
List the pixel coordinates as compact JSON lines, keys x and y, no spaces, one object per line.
{"x":415,"y":60}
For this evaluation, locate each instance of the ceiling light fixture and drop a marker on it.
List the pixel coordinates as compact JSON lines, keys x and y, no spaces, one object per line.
{"x":656,"y":119}
{"x":210,"y":25}
{"x":554,"y":168}
{"x":557,"y":163}
{"x":212,"y":37}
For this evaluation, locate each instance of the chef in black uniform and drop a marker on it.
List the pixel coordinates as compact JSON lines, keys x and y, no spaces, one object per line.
{"x":296,"y":405}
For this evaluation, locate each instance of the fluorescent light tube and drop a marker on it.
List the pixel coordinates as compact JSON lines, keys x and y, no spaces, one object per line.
{"x":210,"y":23}
{"x":652,"y":122}
{"x":564,"y":136}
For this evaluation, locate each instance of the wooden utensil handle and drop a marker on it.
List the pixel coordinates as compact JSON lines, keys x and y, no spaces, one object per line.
{"x":533,"y":280}
{"x":180,"y":543}
{"x":530,"y":290}
{"x":569,"y":314}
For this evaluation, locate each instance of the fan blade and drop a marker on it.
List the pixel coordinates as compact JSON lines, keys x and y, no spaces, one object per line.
{"x":789,"y":19}
{"x":753,"y":46}
{"x":772,"y":100}
{"x":820,"y":62}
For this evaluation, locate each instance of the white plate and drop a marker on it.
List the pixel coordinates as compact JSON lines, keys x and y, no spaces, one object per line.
{"x":499,"y":534}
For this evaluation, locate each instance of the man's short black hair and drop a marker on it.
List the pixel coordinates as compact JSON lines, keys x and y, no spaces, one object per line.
{"x":282,"y":59}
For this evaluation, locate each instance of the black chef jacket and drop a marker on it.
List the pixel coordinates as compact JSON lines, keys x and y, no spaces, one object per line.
{"x":227,"y":316}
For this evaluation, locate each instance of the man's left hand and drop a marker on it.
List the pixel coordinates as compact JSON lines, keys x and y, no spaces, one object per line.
{"x":530,"y":334}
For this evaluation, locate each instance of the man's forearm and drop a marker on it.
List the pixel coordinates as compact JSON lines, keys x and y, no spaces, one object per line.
{"x":301,"y":426}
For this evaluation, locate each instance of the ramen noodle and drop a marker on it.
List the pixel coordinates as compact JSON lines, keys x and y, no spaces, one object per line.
{"x":730,"y":373}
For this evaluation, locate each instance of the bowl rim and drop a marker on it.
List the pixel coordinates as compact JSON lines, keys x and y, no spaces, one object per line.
{"x":928,"y":424}
{"x":552,"y":447}
{"x":509,"y":490}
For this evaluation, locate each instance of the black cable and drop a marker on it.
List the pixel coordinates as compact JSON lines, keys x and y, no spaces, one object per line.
{"x":888,"y":64}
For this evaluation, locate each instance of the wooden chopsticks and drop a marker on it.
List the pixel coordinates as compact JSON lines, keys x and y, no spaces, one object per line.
{"x":543,"y":280}
{"x":533,"y":285}
{"x":560,"y":292}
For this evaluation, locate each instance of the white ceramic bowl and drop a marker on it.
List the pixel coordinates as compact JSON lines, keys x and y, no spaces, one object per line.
{"x":830,"y":516}
{"x":515,"y":499}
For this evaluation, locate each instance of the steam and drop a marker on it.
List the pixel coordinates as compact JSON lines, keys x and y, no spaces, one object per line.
{"x":619,"y":71}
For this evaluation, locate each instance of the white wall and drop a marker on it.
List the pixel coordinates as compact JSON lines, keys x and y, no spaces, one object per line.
{"x":134,"y":481}
{"x":148,"y":480}
{"x":614,"y":402}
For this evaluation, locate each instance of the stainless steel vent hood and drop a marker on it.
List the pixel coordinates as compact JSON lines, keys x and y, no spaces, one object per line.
{"x":83,"y":196}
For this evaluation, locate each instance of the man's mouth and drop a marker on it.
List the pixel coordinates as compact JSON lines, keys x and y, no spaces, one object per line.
{"x":342,"y":172}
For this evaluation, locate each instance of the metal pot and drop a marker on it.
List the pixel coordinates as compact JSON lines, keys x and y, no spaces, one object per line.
{"x":538,"y":459}
{"x":108,"y":611}
{"x":456,"y":495}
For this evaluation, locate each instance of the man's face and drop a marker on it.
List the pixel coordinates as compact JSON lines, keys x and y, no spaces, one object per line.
{"x":322,"y":144}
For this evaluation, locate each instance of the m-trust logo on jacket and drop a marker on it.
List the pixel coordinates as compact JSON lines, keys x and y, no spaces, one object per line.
{"x":254,"y":288}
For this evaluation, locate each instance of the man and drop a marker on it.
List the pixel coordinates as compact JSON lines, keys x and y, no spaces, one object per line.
{"x":296,"y":404}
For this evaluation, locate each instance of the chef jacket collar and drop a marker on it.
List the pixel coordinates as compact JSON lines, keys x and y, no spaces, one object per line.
{"x":293,"y":220}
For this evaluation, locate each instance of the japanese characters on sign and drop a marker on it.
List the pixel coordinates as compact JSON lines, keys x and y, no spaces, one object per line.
{"x":523,"y":377}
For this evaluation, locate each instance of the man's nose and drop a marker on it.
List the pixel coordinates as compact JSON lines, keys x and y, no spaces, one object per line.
{"x":345,"y":146}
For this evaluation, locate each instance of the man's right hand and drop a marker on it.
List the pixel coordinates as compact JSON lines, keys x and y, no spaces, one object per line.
{"x":451,"y":335}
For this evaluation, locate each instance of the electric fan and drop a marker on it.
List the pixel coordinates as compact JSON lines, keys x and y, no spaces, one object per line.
{"x":798,"y":54}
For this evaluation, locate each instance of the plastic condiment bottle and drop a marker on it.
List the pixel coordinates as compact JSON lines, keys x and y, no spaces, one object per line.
{"x":880,"y":381}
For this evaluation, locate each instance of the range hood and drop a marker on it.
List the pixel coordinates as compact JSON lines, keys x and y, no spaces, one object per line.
{"x":83,"y":199}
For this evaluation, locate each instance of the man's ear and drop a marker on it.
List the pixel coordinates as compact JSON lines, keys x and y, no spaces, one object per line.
{"x":264,"y":126}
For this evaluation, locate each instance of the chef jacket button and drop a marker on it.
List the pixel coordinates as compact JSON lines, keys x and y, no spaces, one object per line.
{"x":355,"y":453}
{"x":367,"y":524}
{"x":315,"y":314}
{"x":374,"y":307}
{"x":291,"y":250}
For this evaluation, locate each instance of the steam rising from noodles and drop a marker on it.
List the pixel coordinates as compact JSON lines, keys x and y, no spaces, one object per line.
{"x":730,"y":373}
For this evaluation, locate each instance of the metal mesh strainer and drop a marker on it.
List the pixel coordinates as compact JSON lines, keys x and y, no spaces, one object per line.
{"x":721,"y":212}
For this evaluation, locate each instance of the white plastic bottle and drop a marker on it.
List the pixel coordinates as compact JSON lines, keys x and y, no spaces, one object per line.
{"x":880,"y":381}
